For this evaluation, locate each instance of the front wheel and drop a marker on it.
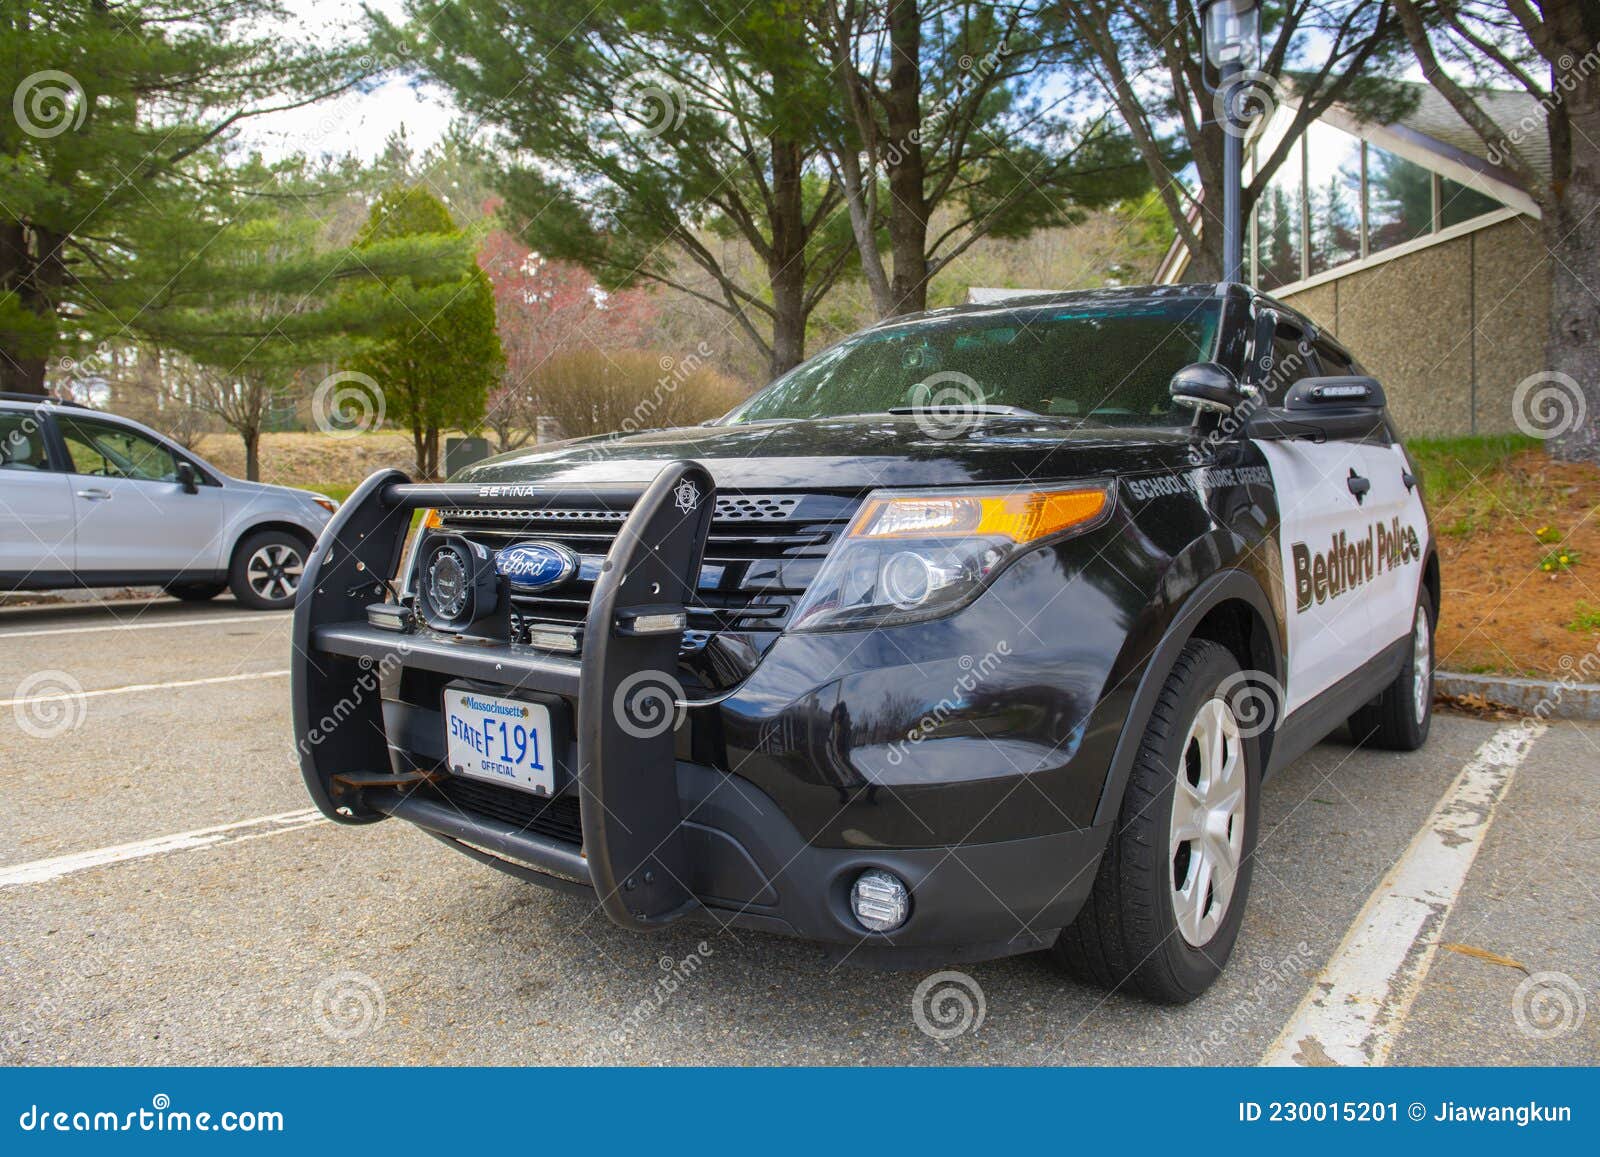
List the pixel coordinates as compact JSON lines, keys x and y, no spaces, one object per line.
{"x":266,"y":570}
{"x":1170,"y":893}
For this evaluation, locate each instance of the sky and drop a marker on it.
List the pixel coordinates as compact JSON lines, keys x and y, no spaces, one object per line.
{"x":356,"y":122}
{"x":360,"y":122}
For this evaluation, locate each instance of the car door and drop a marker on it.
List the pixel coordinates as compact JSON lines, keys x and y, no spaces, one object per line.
{"x":1320,"y":519}
{"x":1393,"y":507}
{"x":133,"y":515}
{"x":36,"y":512}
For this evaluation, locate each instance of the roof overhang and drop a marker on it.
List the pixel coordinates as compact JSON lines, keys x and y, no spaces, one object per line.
{"x":1431,"y":153}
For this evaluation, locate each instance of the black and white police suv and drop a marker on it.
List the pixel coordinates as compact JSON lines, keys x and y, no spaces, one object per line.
{"x":973,"y":635}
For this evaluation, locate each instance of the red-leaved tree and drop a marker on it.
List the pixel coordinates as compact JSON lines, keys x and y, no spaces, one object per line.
{"x":543,"y":308}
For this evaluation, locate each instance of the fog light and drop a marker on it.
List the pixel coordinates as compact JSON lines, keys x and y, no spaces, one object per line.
{"x":880,"y":900}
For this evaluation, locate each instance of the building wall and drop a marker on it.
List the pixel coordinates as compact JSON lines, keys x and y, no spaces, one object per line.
{"x":1449,"y":330}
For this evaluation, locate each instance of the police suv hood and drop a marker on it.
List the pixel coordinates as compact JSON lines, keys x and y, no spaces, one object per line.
{"x":850,"y":454}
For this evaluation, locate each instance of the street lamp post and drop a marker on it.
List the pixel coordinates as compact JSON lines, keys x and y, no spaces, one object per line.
{"x":1233,"y":46}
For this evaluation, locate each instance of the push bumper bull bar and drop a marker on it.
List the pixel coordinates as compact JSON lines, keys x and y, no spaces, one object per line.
{"x":634,"y":853}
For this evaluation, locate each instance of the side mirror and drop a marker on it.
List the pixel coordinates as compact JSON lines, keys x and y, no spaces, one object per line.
{"x":187,"y":478}
{"x":1208,"y":387}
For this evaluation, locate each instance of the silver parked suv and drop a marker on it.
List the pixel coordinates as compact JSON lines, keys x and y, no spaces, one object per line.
{"x":88,"y":499}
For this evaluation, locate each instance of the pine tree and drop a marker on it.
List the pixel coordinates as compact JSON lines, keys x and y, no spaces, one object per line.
{"x":111,"y":163}
{"x":435,"y":367}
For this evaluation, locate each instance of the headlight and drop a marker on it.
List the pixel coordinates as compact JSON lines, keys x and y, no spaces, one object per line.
{"x":912,"y":555}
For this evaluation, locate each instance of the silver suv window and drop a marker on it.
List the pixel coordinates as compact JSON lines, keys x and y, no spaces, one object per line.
{"x":113,"y":451}
{"x":22,"y":445}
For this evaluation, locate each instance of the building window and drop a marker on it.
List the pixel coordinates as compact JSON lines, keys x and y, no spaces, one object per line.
{"x":1337,"y":199}
{"x":1458,"y":203}
{"x":1333,"y":194}
{"x":1399,"y":200}
{"x":1279,"y":236}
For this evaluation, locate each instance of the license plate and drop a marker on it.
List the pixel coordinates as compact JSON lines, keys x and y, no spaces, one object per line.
{"x":501,"y":740}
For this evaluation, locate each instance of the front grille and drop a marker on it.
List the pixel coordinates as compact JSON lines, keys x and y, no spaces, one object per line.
{"x":762,"y":552}
{"x":555,"y":818}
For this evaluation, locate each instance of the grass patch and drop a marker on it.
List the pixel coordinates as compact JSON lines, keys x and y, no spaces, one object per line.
{"x":1449,"y":465}
{"x":336,"y":491}
{"x":1587,"y":618}
{"x":1468,"y":483}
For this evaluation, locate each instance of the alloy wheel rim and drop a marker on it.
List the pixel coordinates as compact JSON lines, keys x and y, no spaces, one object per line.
{"x":1208,"y":820}
{"x":273,"y":572}
{"x":1421,"y":665}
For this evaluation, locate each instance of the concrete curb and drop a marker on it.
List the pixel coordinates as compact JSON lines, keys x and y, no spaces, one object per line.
{"x":1545,"y":698}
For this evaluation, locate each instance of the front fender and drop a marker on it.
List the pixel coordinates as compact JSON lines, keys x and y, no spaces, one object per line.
{"x":1152,"y":651}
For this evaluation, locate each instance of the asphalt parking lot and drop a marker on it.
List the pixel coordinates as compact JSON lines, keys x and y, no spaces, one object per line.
{"x":168,"y":898}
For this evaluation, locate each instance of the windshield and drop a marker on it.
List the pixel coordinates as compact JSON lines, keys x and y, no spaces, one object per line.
{"x":1108,"y":363}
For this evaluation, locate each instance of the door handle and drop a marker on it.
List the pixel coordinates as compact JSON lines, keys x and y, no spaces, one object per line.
{"x":1409,"y":479}
{"x":94,"y":494}
{"x":1358,"y":486}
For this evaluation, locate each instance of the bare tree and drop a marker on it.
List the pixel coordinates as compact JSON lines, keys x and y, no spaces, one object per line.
{"x":1551,"y":50}
{"x":1148,"y":55}
{"x":940,"y":113}
{"x":241,"y":398}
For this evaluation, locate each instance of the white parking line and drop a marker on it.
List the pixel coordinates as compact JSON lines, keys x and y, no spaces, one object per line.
{"x":1358,"y":1005}
{"x":160,"y":624}
{"x":132,"y":687}
{"x":39,"y":871}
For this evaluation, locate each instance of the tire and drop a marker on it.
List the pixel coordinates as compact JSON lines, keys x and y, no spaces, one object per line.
{"x":1130,"y":932}
{"x":266,"y":569}
{"x":1398,"y":719}
{"x":195,"y":592}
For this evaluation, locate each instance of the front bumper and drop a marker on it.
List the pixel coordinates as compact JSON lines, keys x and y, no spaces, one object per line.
{"x":652,"y":836}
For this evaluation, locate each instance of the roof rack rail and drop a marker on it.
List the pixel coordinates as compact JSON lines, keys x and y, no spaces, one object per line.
{"x":47,"y":399}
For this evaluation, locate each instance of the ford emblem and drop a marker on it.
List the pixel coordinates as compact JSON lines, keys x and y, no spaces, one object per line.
{"x":536,"y":566}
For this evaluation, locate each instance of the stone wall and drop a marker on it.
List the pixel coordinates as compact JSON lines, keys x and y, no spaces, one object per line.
{"x":1449,"y":330}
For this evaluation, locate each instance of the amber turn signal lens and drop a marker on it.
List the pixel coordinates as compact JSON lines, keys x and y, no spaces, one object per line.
{"x":1021,"y":516}
{"x":432,"y":520}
